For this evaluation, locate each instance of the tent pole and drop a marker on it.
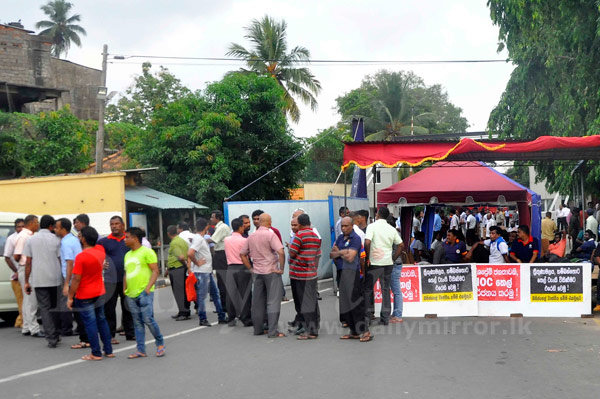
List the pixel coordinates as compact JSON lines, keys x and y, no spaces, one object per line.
{"x":582,"y":195}
{"x":345,"y":190}
{"x":162,"y":242}
{"x":374,"y":191}
{"x":193,"y":227}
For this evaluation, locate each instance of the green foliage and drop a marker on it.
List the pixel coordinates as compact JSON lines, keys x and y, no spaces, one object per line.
{"x":148,"y":93}
{"x":60,"y":28}
{"x":269,"y":57}
{"x":209,"y":145}
{"x":118,"y":134}
{"x":519,"y":173}
{"x":555,"y":88}
{"x":388,"y":100}
{"x":325,"y":156}
{"x":45,"y":144}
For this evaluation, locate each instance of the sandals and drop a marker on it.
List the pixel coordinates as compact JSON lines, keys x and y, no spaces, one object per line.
{"x":81,"y":345}
{"x":350,"y":336}
{"x":278,"y":335}
{"x":109,"y":355}
{"x":160,"y":351}
{"x":305,"y":337}
{"x":91,"y":357}
{"x":366,"y":337}
{"x":136,"y":355}
{"x":114,"y":341}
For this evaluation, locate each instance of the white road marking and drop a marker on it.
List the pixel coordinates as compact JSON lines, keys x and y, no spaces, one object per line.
{"x":126,"y":348}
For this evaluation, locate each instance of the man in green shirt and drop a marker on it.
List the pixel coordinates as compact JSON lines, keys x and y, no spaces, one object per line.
{"x":141,"y":272}
{"x":176,"y":267}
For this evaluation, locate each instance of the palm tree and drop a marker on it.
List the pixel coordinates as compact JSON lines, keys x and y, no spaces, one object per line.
{"x":269,"y":56}
{"x":394,"y":114}
{"x":60,"y":27}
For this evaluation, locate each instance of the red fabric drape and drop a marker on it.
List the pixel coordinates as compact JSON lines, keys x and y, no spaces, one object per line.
{"x":366,"y":154}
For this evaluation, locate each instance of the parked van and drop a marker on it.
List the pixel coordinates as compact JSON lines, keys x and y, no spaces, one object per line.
{"x":8,"y":304}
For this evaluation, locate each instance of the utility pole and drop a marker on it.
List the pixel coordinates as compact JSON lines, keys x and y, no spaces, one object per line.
{"x":102,"y":93}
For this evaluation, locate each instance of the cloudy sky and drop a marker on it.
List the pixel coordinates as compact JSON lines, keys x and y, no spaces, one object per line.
{"x":340,"y":30}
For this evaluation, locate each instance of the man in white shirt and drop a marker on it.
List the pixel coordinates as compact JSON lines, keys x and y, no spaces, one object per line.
{"x":200,"y":263}
{"x":489,"y":223}
{"x":454,"y":222}
{"x":30,"y":306}
{"x":591,"y":223}
{"x":471,"y":223}
{"x":183,"y":230}
{"x":561,"y":217}
{"x":498,"y":247}
{"x":9,"y":249}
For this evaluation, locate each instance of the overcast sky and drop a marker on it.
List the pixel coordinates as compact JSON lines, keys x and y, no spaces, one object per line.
{"x":341,"y":30}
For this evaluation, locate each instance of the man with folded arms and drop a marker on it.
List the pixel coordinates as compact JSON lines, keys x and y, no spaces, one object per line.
{"x":86,"y":293}
{"x":352,"y":303}
{"x":268,"y":261}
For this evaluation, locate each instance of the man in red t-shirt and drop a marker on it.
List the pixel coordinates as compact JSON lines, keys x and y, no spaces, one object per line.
{"x":87,"y":288}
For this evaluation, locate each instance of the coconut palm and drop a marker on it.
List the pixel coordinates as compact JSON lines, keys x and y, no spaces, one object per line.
{"x":269,"y":56}
{"x":393,"y":112}
{"x":60,"y":27}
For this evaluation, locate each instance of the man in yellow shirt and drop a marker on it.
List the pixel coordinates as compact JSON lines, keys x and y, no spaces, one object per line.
{"x":548,"y":229}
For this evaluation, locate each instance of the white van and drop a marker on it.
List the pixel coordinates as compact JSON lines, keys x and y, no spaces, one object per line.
{"x":8,"y":304}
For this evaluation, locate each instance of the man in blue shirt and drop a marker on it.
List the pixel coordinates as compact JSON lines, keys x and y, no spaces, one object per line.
{"x":455,"y":249}
{"x":69,"y":248}
{"x":585,"y":250}
{"x":114,"y":268}
{"x":437,"y":221}
{"x":526,"y":249}
{"x":346,"y":254}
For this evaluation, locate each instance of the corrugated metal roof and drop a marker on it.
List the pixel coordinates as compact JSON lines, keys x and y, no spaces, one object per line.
{"x":156,"y":199}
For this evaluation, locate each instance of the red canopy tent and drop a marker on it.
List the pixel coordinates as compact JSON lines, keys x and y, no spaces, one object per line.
{"x":462,"y":183}
{"x":455,"y":183}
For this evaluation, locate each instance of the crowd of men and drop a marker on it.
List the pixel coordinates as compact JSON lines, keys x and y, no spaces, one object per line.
{"x":64,"y":272}
{"x":70,"y":275}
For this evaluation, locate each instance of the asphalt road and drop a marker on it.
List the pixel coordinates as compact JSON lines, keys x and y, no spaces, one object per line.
{"x":421,"y":358}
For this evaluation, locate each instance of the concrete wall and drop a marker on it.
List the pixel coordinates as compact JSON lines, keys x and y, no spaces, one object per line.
{"x":82,"y":83}
{"x":25,"y":61}
{"x":320,"y":191}
{"x":100,"y":196}
{"x":24,"y":58}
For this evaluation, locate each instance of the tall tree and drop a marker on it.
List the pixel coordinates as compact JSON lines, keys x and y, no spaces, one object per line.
{"x":149,"y":92}
{"x":61,"y":27}
{"x":555,"y":86}
{"x":390,"y":102}
{"x":268,"y":56}
{"x":209,"y":145}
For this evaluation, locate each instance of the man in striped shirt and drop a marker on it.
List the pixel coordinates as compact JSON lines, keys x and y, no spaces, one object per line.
{"x":304,"y":250}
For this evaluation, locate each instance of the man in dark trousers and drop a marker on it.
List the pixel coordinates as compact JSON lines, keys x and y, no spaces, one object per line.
{"x":219,"y":258}
{"x":176,"y":268}
{"x":346,"y":251}
{"x":115,"y":248}
{"x":43,"y":271}
{"x":304,"y":251}
{"x":239,"y":277}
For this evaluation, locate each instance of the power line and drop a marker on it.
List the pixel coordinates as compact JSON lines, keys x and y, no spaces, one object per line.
{"x":308,"y":147}
{"x":314,"y":61}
